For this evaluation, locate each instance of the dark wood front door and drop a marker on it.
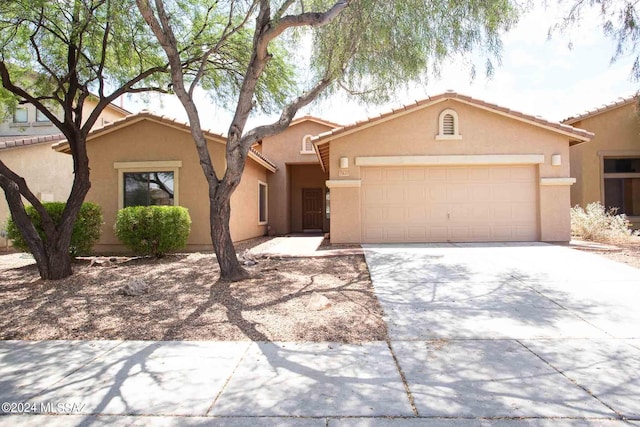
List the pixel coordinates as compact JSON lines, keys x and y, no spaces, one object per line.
{"x":312,"y":208}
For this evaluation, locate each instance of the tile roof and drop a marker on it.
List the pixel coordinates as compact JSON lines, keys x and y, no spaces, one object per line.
{"x":314,"y":119}
{"x":146,"y":115}
{"x":16,"y":141}
{"x":580,"y":134}
{"x":620,"y":102}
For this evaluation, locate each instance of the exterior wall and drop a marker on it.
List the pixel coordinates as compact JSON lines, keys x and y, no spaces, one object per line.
{"x":21,"y":130}
{"x":157,"y":142}
{"x":46,"y":171}
{"x":35,"y":128}
{"x":30,"y":162}
{"x":483,"y":133}
{"x":284,"y":150}
{"x":305,"y":176}
{"x":616,"y":131}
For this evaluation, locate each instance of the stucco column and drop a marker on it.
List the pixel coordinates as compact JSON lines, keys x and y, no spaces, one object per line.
{"x":345,"y":211}
{"x":555,"y":206}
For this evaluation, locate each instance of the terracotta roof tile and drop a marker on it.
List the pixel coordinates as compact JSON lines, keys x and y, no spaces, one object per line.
{"x":581,"y":134}
{"x":31,"y":140}
{"x":606,"y":107}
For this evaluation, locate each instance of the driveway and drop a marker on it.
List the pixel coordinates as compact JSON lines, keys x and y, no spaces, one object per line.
{"x":512,"y":330}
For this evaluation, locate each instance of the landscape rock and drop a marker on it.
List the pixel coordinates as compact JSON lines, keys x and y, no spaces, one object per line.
{"x":135,"y":287}
{"x":318,"y":302}
{"x":100,"y":262}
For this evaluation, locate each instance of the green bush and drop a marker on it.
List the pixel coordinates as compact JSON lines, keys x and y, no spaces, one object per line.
{"x":599,"y":224}
{"x":86,"y":230}
{"x":153,"y":230}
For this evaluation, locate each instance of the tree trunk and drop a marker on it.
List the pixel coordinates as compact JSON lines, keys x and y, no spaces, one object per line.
{"x":220,"y":214}
{"x":54,"y":264}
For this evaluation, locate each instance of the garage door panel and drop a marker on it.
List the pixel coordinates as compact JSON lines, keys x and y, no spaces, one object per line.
{"x":439,"y":204}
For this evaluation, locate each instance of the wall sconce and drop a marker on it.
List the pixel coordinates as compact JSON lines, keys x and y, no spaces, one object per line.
{"x":344,"y":162}
{"x":556,"y":160}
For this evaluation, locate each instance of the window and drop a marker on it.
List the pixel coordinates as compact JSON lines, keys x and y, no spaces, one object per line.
{"x":307,"y":145}
{"x":148,"y":183}
{"x":622,"y":184}
{"x":41,"y":117}
{"x":20,"y":116}
{"x":327,"y":205}
{"x":262,"y":203}
{"x":448,"y":125}
{"x":148,"y":188}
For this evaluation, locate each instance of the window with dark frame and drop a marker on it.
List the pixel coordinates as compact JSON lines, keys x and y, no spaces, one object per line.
{"x":262,"y":203}
{"x":148,"y":188}
{"x":622,"y":184}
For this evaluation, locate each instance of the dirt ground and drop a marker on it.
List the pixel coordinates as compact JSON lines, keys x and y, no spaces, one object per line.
{"x":627,"y":252}
{"x":301,"y":299}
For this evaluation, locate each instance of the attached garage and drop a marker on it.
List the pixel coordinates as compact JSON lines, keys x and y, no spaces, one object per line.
{"x":449,"y":204}
{"x":449,"y":169}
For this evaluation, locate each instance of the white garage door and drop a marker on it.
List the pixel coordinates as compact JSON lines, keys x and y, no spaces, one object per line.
{"x":449,"y":204}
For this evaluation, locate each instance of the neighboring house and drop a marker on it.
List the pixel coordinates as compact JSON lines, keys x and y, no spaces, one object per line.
{"x":25,"y":146}
{"x":608,"y":168}
{"x":149,"y":159}
{"x":449,"y":169}
{"x":298,"y":197}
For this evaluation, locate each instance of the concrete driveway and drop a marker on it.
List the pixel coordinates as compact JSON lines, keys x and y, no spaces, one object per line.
{"x":512,"y":330}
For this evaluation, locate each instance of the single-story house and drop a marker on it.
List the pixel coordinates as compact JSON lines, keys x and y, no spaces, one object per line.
{"x":608,"y":168}
{"x":450,"y":168}
{"x":150,"y":159}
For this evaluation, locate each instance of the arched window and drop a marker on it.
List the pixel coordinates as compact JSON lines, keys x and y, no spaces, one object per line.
{"x":448,"y":125}
{"x":307,"y":146}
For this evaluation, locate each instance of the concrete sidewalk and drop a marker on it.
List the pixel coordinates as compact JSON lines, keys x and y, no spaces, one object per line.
{"x":233,"y":384}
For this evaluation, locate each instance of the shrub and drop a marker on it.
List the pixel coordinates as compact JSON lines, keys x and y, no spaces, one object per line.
{"x":599,"y":224}
{"x":153,"y":230}
{"x":86,"y":230}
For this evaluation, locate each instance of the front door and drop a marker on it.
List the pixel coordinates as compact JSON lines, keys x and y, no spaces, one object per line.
{"x":312,"y":208}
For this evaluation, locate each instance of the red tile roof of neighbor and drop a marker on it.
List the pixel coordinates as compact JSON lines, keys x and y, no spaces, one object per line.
{"x":16,"y":141}
{"x":580,"y":135}
{"x":63,"y":145}
{"x":620,"y":102}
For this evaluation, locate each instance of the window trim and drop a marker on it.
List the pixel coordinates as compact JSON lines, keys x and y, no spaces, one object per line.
{"x":26,"y":122}
{"x":152,"y":166}
{"x":612,"y":154}
{"x":303,"y":149}
{"x":456,"y":130}
{"x":266,"y":202}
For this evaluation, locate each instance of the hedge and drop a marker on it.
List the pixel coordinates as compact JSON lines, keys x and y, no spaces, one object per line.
{"x":86,"y":230}
{"x":153,"y":230}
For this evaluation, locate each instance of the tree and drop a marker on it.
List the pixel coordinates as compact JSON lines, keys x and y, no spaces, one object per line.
{"x":619,"y":20}
{"x":368,"y":48}
{"x":55,"y":55}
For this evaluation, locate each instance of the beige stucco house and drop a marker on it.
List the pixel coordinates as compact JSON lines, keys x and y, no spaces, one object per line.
{"x":607,"y":169}
{"x":25,"y":146}
{"x":449,"y":169}
{"x":149,"y":159}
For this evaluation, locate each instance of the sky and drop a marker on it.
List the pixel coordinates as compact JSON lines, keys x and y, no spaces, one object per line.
{"x":538,"y":76}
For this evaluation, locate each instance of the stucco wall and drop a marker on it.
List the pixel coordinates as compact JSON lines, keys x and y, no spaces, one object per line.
{"x":284,"y":149}
{"x":483,"y":133}
{"x":49,"y":175}
{"x":150,"y":141}
{"x":617,"y":132}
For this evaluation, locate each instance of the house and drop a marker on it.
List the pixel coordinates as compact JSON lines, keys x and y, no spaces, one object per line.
{"x":149,"y":159}
{"x":25,"y":146}
{"x":450,"y":168}
{"x":608,"y":168}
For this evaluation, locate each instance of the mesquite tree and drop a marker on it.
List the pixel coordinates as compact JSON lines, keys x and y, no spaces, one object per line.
{"x":55,"y":55}
{"x":251,"y":52}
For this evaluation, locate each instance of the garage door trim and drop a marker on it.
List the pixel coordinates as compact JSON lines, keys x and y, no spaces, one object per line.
{"x":453,"y":160}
